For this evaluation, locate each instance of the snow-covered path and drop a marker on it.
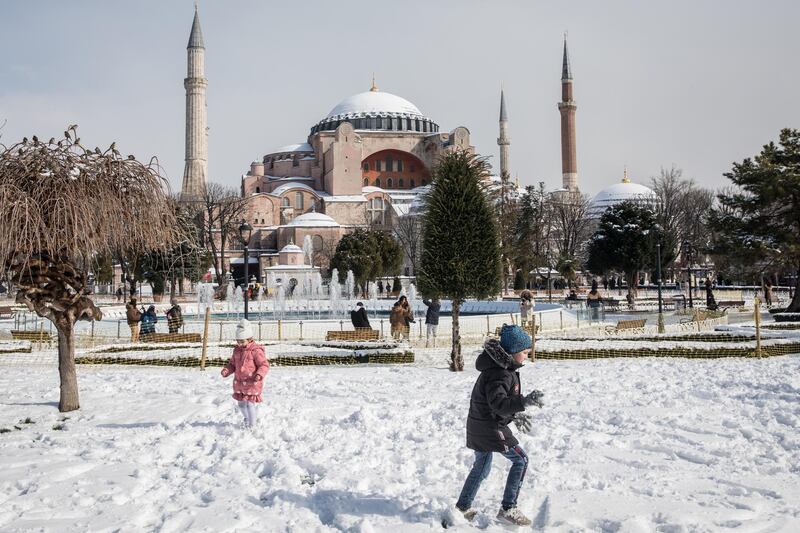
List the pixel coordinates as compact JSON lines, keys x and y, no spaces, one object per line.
{"x":622,"y":445}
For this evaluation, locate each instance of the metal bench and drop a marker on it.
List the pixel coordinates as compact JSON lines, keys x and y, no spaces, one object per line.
{"x":726,"y":304}
{"x":31,"y":335}
{"x":358,"y":334}
{"x":623,"y":325}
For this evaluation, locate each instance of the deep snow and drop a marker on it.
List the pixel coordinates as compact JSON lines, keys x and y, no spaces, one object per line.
{"x":622,"y":445}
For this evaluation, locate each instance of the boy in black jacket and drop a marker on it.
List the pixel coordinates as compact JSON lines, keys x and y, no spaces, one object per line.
{"x":496,"y":401}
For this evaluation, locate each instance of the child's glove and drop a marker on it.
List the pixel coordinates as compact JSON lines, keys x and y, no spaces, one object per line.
{"x":225,"y":372}
{"x":523,"y":421}
{"x":534,"y":398}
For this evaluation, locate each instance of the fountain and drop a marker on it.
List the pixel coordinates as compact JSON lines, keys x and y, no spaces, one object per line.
{"x":334,"y":292}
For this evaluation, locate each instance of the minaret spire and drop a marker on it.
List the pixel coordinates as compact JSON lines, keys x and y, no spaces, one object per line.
{"x":196,"y":169}
{"x":567,"y":108}
{"x":503,"y":141}
{"x":374,"y":87}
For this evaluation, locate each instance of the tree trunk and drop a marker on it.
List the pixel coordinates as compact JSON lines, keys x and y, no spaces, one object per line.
{"x":456,"y":359}
{"x":633,"y":281}
{"x":66,"y":369}
{"x":794,"y":305}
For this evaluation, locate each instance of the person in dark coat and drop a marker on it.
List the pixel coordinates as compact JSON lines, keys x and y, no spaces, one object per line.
{"x":174,"y":318}
{"x":496,"y":401}
{"x":149,"y":319}
{"x":711,"y":302}
{"x":432,"y":319}
{"x":359,"y":317}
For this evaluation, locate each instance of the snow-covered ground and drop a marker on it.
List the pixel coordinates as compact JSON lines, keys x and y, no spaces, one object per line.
{"x":650,"y":444}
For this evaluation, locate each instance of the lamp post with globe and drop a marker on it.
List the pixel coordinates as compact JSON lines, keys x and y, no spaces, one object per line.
{"x":245,"y":230}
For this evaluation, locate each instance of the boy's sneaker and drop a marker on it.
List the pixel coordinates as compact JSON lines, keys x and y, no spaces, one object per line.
{"x":513,"y":516}
{"x":469,"y":514}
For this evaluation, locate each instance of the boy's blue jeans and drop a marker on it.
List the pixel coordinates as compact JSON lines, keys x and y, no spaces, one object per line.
{"x":480,"y":471}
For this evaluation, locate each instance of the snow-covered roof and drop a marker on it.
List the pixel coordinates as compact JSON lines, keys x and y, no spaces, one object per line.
{"x":298,"y":147}
{"x":313,"y":220}
{"x":293,"y":185}
{"x":621,"y":192}
{"x":373,"y":102}
{"x":291,"y":248}
{"x":346,"y":198}
{"x":289,"y":178}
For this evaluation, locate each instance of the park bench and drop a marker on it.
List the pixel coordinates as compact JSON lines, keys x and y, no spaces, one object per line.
{"x":526,"y":328}
{"x":31,"y":335}
{"x":610,"y":303}
{"x":725,"y":304}
{"x":6,"y":311}
{"x":623,"y":325}
{"x":358,"y":334}
{"x":171,"y":337}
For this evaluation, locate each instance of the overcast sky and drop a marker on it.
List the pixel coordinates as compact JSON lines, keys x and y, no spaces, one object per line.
{"x":694,"y":84}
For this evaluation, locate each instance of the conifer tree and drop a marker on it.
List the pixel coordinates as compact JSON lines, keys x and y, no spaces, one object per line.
{"x":461,"y":245}
{"x":760,"y":218}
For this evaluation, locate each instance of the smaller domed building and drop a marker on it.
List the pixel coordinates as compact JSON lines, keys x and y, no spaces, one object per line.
{"x":624,"y":191}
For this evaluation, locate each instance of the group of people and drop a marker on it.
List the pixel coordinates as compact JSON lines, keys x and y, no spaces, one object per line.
{"x":401,"y":317}
{"x":495,"y":402}
{"x":143,"y":321}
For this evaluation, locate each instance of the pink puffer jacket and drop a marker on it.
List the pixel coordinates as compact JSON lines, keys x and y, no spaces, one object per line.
{"x":249,"y":366}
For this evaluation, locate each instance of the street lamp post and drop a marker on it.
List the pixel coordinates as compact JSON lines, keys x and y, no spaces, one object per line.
{"x":689,"y":252}
{"x":244,"y":233}
{"x":658,"y":273}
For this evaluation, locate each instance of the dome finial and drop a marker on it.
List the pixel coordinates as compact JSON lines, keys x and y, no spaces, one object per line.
{"x":374,"y":87}
{"x":625,"y":175}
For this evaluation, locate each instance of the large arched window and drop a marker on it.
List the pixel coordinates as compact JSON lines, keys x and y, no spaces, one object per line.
{"x":298,"y":200}
{"x":285,"y":202}
{"x":389,"y":183}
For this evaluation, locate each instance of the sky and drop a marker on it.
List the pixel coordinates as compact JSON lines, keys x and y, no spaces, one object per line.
{"x":694,"y":84}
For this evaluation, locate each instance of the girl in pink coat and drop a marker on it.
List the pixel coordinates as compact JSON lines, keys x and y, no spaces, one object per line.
{"x":249,"y":366}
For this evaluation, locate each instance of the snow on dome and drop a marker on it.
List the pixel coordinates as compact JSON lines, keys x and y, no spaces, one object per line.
{"x":373,"y":102}
{"x":621,"y":192}
{"x":299,"y":147}
{"x":291,"y":248}
{"x":314,"y":220}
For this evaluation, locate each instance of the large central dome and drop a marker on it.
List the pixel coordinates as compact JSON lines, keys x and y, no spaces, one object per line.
{"x":373,"y":102}
{"x":375,"y":110}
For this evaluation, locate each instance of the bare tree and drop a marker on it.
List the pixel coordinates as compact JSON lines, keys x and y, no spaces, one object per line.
{"x":62,"y":204}
{"x":569,"y":216}
{"x":408,"y":232}
{"x":222,"y":210}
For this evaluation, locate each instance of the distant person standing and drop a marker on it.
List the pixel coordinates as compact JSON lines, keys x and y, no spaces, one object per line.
{"x":358,"y":316}
{"x":768,"y":293}
{"x":174,"y":317}
{"x":526,"y":307}
{"x":119,"y":294}
{"x":432,"y":319}
{"x":711,"y":302}
{"x":380,"y":289}
{"x":593,"y":301}
{"x":133,"y":316}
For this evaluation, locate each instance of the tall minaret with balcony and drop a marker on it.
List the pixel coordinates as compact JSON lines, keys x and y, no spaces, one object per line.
{"x":567,"y":107}
{"x":196,"y":170}
{"x":504,"y":141}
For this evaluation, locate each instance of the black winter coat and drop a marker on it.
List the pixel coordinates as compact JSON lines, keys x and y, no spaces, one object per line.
{"x":432,"y":314}
{"x":359,"y":318}
{"x":496,"y":398}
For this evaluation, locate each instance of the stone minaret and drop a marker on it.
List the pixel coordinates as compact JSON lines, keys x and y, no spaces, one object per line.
{"x":196,"y":170}
{"x":503,"y":141}
{"x":567,"y":107}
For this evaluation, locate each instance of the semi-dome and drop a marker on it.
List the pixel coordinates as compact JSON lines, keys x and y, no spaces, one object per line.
{"x":624,"y":191}
{"x":291,"y":248}
{"x":314,"y":220}
{"x":376,"y":110}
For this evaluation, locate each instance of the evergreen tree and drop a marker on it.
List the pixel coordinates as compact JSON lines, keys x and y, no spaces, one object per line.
{"x":461,"y":245}
{"x":369,"y":254}
{"x":624,"y":241}
{"x":760,"y":218}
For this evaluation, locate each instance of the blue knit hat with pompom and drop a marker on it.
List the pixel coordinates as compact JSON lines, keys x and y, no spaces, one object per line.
{"x":514,"y":339}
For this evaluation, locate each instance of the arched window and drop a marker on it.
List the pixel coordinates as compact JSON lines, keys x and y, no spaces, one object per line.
{"x":298,"y":200}
{"x":416,"y":120}
{"x":413,"y":184}
{"x":399,"y":165}
{"x":295,"y":161}
{"x":258,"y":190}
{"x":366,"y":167}
{"x":366,"y":182}
{"x":389,"y":163}
{"x":285,"y":202}
{"x":377,"y":182}
{"x":389,"y":183}
{"x":400,"y":183}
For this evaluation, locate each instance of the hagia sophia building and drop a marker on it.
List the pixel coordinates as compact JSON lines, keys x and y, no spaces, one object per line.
{"x":365,"y":163}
